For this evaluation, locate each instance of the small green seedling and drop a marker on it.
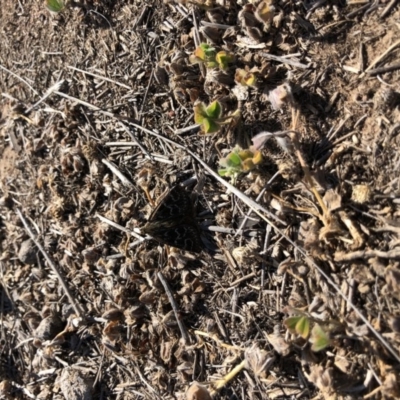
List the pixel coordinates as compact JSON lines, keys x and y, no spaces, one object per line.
{"x":56,"y":6}
{"x":239,"y":161}
{"x":319,"y":338}
{"x":209,"y":117}
{"x":207,"y":55}
{"x":245,"y":78}
{"x":300,"y":325}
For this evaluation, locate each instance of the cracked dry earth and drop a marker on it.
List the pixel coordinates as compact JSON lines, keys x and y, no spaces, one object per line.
{"x":299,"y":300}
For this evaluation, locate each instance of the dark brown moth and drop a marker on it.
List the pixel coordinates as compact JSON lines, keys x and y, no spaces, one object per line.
{"x":173,"y":221}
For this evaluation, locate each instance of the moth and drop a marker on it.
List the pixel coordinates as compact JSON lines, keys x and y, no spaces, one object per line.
{"x":173,"y":221}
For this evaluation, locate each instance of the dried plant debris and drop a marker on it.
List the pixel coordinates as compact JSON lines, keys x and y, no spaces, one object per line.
{"x":199,"y":199}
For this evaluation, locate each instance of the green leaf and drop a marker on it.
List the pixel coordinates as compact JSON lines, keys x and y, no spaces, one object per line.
{"x":55,"y":5}
{"x":223,"y":58}
{"x":303,"y":327}
{"x":214,"y":110}
{"x":200,"y":112}
{"x":291,"y":323}
{"x":223,"y":172}
{"x":319,"y":338}
{"x":233,"y":160}
{"x":209,"y":52}
{"x":211,"y":64}
{"x":209,"y":126}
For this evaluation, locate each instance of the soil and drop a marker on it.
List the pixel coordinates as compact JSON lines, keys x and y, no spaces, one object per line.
{"x":286,"y":288}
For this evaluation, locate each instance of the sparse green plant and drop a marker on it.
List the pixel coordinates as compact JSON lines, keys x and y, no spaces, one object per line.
{"x":56,"y":6}
{"x":239,"y":161}
{"x":209,"y":117}
{"x":208,"y":55}
{"x":318,"y":336}
{"x":245,"y":78}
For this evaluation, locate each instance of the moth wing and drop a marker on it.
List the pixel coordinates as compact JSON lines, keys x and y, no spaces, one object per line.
{"x":174,"y":204}
{"x":182,"y":236}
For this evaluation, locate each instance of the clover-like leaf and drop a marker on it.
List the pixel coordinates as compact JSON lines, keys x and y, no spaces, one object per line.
{"x":249,"y":79}
{"x":303,"y":327}
{"x":245,"y":78}
{"x":203,"y":54}
{"x":319,"y":338}
{"x":223,"y":58}
{"x":56,"y":5}
{"x":223,"y":172}
{"x":209,"y":126}
{"x":200,"y":112}
{"x":209,"y":51}
{"x":233,"y":160}
{"x":200,"y":53}
{"x":240,"y":161}
{"x":291,"y":323}
{"x":214,"y":110}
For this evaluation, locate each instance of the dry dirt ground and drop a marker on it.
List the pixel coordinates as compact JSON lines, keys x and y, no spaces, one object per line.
{"x":297,"y":300}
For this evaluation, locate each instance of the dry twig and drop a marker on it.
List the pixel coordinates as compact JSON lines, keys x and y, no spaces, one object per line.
{"x":64,"y":285}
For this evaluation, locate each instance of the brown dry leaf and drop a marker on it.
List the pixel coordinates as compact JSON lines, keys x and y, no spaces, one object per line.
{"x":259,"y":361}
{"x":242,"y":255}
{"x":377,"y":266}
{"x":114,"y":314}
{"x":333,"y":200}
{"x":322,"y":378}
{"x":391,"y":385}
{"x":278,"y":342}
{"x":166,"y":351}
{"x":309,"y":235}
{"x":5,"y":390}
{"x":392,"y":278}
{"x":342,"y":362}
{"x":113,"y":331}
{"x":246,"y":16}
{"x":197,"y":392}
{"x":361,"y":273}
{"x":75,"y":385}
{"x":331,"y":231}
{"x":280,"y":96}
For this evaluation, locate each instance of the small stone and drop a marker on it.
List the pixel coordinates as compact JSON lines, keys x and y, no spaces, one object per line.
{"x":75,"y":385}
{"x":49,"y":327}
{"x":28,"y":253}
